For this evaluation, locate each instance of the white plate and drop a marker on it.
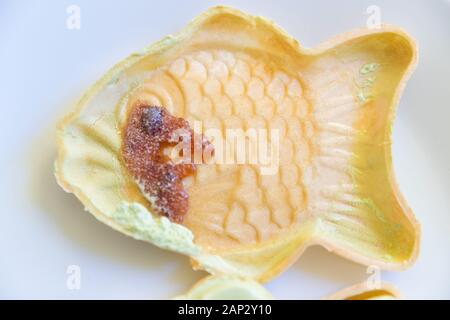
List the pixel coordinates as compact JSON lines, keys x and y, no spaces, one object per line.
{"x":45,"y":66}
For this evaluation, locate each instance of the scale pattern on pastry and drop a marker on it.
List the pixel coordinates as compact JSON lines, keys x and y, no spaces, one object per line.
{"x":333,"y":108}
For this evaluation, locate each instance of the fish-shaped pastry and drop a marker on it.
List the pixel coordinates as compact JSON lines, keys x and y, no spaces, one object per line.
{"x":362,"y":291}
{"x":225,"y":287}
{"x":232,"y":144}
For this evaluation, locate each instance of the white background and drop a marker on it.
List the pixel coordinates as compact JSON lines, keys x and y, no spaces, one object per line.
{"x":44,"y":67}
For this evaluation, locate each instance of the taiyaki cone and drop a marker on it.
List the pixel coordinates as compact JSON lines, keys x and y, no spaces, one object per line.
{"x":333,"y":108}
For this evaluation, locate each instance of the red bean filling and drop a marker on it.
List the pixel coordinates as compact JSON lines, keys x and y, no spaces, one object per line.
{"x":148,"y":132}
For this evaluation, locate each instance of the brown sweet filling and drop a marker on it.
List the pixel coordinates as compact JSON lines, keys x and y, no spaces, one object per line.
{"x":148,"y":132}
